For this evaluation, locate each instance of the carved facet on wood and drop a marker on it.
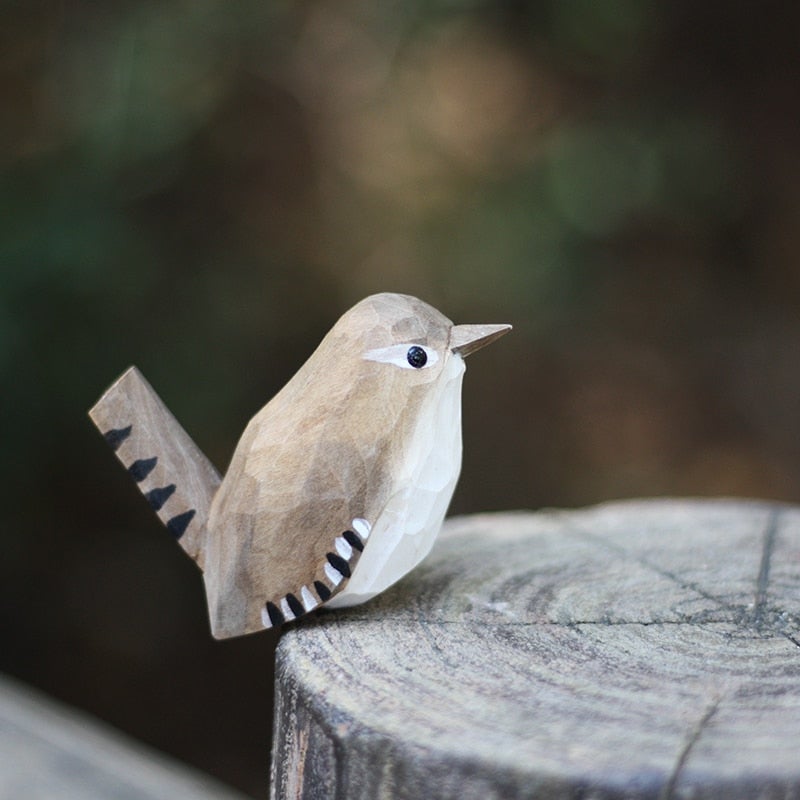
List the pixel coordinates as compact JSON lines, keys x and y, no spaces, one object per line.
{"x":338,"y":486}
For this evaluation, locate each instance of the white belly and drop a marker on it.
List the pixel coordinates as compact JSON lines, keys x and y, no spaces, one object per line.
{"x":405,"y":531}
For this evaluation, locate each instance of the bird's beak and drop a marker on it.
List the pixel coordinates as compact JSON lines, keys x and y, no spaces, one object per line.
{"x":466,"y":339}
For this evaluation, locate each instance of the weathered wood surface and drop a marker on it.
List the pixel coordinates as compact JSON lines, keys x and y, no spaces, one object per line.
{"x":633,"y":650}
{"x":49,"y":752}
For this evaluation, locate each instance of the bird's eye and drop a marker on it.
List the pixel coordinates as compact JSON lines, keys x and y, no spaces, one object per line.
{"x":417,"y":357}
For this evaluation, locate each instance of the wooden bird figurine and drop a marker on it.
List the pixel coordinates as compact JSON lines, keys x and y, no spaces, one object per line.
{"x":338,"y":486}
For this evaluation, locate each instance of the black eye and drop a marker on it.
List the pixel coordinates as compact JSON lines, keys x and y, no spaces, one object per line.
{"x":417,"y":357}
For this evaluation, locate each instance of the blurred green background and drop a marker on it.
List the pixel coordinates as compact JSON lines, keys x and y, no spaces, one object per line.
{"x":202,"y":187}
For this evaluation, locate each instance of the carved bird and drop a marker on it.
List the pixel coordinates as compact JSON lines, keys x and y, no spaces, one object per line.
{"x":338,"y":486}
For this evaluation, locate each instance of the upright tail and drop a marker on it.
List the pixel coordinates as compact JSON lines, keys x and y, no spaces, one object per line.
{"x":175,"y":477}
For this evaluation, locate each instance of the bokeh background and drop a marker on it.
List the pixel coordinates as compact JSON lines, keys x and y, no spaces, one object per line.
{"x":201,"y":187}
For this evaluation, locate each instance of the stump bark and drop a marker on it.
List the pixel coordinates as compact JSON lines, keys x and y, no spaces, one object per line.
{"x":635,"y":650}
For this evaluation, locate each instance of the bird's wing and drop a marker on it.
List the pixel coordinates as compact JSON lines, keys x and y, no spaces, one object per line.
{"x":289,"y":524}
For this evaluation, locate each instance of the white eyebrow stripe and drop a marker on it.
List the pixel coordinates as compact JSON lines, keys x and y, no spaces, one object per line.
{"x":397,"y":354}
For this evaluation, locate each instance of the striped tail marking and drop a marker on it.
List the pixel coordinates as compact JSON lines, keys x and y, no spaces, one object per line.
{"x":174,"y":476}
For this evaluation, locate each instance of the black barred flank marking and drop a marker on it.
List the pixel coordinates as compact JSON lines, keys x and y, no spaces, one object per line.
{"x":352,"y":539}
{"x":338,"y":563}
{"x":141,"y":468}
{"x":275,"y":614}
{"x":177,"y":525}
{"x":323,"y":591}
{"x":116,"y":436}
{"x":295,"y":605}
{"x":157,"y":497}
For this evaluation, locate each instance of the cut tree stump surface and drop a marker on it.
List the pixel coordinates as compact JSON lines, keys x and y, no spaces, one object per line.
{"x":644,"y":649}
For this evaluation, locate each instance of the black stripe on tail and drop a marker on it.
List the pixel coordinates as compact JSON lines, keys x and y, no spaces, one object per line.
{"x":157,"y":497}
{"x":177,"y":525}
{"x":116,"y":436}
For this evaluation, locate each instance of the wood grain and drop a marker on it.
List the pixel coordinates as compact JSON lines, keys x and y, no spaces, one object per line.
{"x":636,"y":650}
{"x":178,"y":481}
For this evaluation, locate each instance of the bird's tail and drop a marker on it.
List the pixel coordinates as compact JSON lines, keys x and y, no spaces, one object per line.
{"x":172,"y":473}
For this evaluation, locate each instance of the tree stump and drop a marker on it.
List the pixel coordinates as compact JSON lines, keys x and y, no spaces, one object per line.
{"x":635,"y":650}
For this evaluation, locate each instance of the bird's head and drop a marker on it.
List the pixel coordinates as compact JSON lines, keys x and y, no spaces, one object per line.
{"x":404,"y":341}
{"x":380,"y":364}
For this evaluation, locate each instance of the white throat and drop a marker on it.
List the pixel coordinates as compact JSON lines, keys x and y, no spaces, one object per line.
{"x":404,"y":532}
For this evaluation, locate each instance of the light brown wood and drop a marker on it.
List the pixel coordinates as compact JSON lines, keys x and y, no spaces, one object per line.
{"x":326,"y":450}
{"x":633,"y":650}
{"x":359,"y":452}
{"x":170,"y":470}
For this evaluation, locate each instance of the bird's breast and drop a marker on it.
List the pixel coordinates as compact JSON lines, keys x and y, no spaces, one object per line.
{"x":421,"y":488}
